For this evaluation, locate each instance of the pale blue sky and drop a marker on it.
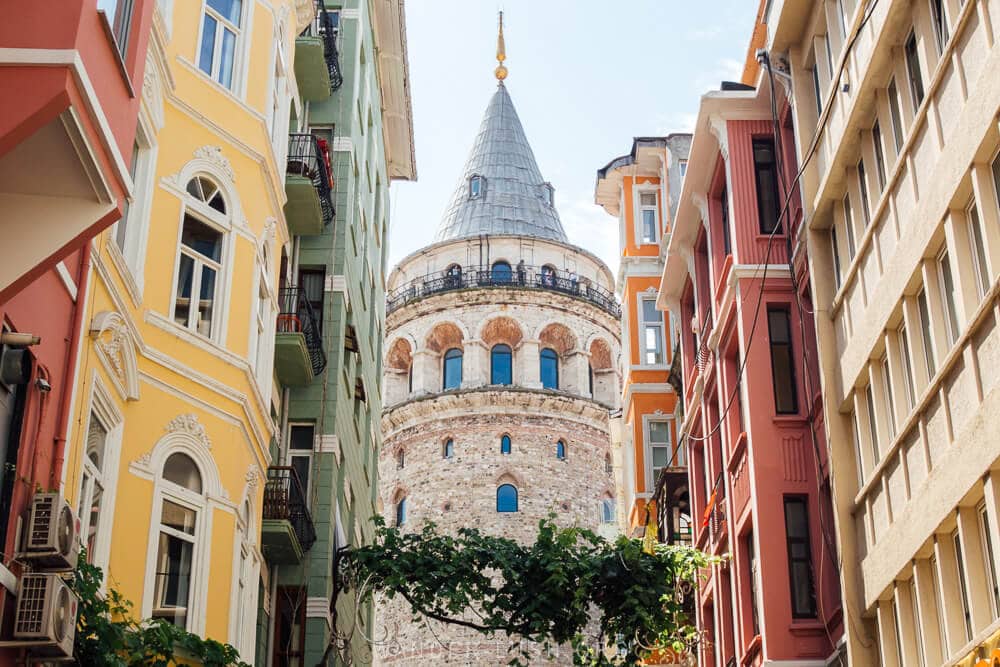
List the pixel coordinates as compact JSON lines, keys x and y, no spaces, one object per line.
{"x":585,"y":78}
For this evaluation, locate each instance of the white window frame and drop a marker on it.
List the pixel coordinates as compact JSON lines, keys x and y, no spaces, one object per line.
{"x":641,"y":334}
{"x":102,"y":408}
{"x":888,"y":398}
{"x":949,"y":305}
{"x":637,"y":192}
{"x":986,"y":541}
{"x":304,"y":453}
{"x":278,"y":113}
{"x":648,"y":446}
{"x":246,"y":573}
{"x":138,"y":211}
{"x":976,"y":230}
{"x":896,"y":116}
{"x":240,"y":48}
{"x":906,"y":364}
{"x":260,"y":352}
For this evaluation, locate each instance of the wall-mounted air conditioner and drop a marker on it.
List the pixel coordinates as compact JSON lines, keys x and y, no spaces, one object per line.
{"x":45,"y":617}
{"x":50,"y":537}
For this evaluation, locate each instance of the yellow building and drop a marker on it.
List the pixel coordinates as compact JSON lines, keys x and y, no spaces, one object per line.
{"x":172,"y":418}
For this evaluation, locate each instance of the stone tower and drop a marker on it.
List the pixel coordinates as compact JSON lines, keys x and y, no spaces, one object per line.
{"x":502,"y":342}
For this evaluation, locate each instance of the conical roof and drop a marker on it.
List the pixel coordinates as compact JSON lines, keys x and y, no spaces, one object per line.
{"x":512,"y":197}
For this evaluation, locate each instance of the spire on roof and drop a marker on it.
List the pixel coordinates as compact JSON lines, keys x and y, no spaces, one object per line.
{"x":501,"y":71}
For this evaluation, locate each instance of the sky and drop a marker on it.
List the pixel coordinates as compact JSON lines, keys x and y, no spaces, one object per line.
{"x":585,"y":77}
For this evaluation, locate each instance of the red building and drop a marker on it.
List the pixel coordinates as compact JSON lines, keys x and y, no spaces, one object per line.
{"x":70,"y":79}
{"x":753,"y":427}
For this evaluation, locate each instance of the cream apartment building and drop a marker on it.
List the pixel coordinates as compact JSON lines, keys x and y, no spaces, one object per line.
{"x":896,"y":105}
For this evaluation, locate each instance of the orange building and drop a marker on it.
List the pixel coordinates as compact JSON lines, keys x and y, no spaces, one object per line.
{"x":640,"y":189}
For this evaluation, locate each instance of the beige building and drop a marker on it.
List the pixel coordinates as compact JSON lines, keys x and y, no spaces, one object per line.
{"x":896,"y":107}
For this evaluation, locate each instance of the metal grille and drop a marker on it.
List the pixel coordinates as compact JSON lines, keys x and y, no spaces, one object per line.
{"x":30,"y":618}
{"x":297,"y":316}
{"x":42,"y":515}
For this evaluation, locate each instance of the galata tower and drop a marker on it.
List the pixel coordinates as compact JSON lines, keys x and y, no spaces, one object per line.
{"x":501,"y":369}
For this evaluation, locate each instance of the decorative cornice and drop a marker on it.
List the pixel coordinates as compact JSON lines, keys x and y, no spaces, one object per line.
{"x":188,"y":424}
{"x":214,"y":155}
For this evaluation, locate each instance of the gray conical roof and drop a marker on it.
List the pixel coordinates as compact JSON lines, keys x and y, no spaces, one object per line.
{"x":515,"y":198}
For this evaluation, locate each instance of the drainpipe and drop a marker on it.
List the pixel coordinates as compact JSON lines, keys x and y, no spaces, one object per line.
{"x":75,"y":331}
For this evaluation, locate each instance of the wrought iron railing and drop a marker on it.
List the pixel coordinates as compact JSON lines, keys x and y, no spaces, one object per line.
{"x":522,"y":276}
{"x":309,"y":156}
{"x":703,"y":357}
{"x":326,"y":28}
{"x":297,"y":316}
{"x":284,"y":500}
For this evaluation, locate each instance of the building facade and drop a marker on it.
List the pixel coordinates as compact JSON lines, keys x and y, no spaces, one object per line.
{"x":642,"y":190}
{"x":68,"y":85}
{"x":753,"y":425}
{"x":501,"y":368}
{"x":896,"y":110}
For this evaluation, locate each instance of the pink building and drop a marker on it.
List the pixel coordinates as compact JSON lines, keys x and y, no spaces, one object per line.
{"x":753,"y":426}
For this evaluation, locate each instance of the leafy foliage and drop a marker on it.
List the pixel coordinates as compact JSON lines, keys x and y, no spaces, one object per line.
{"x":550,"y":592}
{"x":107,"y":634}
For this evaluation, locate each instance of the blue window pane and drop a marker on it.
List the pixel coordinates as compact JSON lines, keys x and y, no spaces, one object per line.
{"x":560,"y":450}
{"x":226,"y":58}
{"x":506,"y":498}
{"x":505,"y":445}
{"x":500,"y":365}
{"x":550,"y":369}
{"x":207,"y":50}
{"x":501,"y":272}
{"x":229,"y":9}
{"x":449,"y":449}
{"x":453,"y":369}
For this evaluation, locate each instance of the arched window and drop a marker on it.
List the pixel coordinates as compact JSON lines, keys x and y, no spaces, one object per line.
{"x":401,"y":511}
{"x":561,"y":450}
{"x":452,"y":369}
{"x":505,"y":444}
{"x":175,"y":568}
{"x":501,"y":371}
{"x":607,"y":510}
{"x":590,"y":379}
{"x":400,"y":459}
{"x":448,"y":451}
{"x":549,"y":368}
{"x":506,"y":498}
{"x":200,"y":262}
{"x":245,"y":582}
{"x":501,"y":273}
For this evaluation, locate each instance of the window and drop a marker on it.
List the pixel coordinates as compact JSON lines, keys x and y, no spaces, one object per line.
{"x":879,"y":155}
{"x":925,"y":333}
{"x":842,"y":19}
{"x":476,"y":186}
{"x":453,"y":276}
{"x":913,"y":71}
{"x":947,"y":284}
{"x":682,"y":165}
{"x":799,"y":557}
{"x":752,"y":576}
{"x":199,"y":264}
{"x":561,"y":450}
{"x":220,"y":31}
{"x":866,"y":212}
{"x":505,"y":444}
{"x":312,"y":282}
{"x":829,"y":56}
{"x":817,"y":88}
{"x":448,"y":451}
{"x":506,"y":498}
{"x":118,"y":14}
{"x":979,"y":264}
{"x":608,"y":467}
{"x":939,"y":23}
{"x":549,"y":194}
{"x":872,"y":423}
{"x":727,"y":244}
{"x":244,"y":613}
{"x":289,"y":626}
{"x":918,"y":630}
{"x":300,"y":450}
{"x":93,"y":483}
{"x":501,"y":273}
{"x":896,"y":632}
{"x":660,"y":448}
{"x":652,"y":332}
{"x":401,"y":511}
{"x":261,"y":351}
{"x":500,"y":365}
{"x":904,"y":354}
{"x":766,"y":172}
{"x":400,"y":460}
{"x":549,"y":362}
{"x":649,"y":215}
{"x":859,"y":454}
{"x":849,"y":228}
{"x":121,"y":227}
{"x":834,"y":246}
{"x":991,"y":568}
{"x":607,"y":510}
{"x":963,"y":589}
{"x":176,"y":541}
{"x":548,"y":276}
{"x":895,"y":115}
{"x":890,"y":404}
{"x":452,"y":369}
{"x":782,"y":362}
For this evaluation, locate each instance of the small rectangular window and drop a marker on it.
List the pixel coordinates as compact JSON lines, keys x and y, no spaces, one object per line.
{"x":648,"y":210}
{"x":879,"y":155}
{"x":652,"y":332}
{"x":947,"y":283}
{"x":991,"y":568}
{"x":872,"y":424}
{"x":978,"y":251}
{"x":866,"y":212}
{"x":752,"y":576}
{"x":198,"y":269}
{"x":939,"y":22}
{"x":896,"y":630}
{"x":963,"y":589}
{"x":925,"y":333}
{"x":683,"y":167}
{"x":829,"y":56}
{"x":220,"y":32}
{"x":842,"y":19}
{"x":766,"y":171}
{"x":660,"y":447}
{"x":918,"y":631}
{"x":849,"y":227}
{"x":856,"y":431}
{"x":913,"y":71}
{"x":118,"y":14}
{"x":834,"y":246}
{"x":782,"y":361}
{"x":799,"y":557}
{"x":895,"y":115}
{"x":890,"y":403}
{"x":907,"y":364}
{"x":727,"y":244}
{"x":817,"y":89}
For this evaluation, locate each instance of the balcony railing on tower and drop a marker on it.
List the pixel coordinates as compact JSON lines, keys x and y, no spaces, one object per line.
{"x":288,"y":527}
{"x":308,"y":184}
{"x":521,"y":276}
{"x":299,"y":355}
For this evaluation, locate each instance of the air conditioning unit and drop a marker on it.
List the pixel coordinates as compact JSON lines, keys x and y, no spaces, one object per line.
{"x":51,"y":534}
{"x":45,"y":616}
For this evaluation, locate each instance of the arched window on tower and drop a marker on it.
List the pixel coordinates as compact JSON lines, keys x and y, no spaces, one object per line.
{"x":400,"y":460}
{"x":505,"y":444}
{"x":561,"y":450}
{"x":548,"y":276}
{"x":452,"y":369}
{"x":401,"y":511}
{"x":607,"y":509}
{"x":501,"y":273}
{"x":549,"y":368}
{"x":506,"y":498}
{"x":501,"y":371}
{"x":448,"y":451}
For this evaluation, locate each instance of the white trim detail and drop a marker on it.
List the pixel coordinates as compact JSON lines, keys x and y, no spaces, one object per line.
{"x":327,"y":444}
{"x":67,"y":280}
{"x":116,"y":349}
{"x":319,"y":607}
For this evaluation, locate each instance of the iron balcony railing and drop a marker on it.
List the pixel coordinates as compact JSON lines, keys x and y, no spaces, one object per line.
{"x":296,"y":316}
{"x":325,"y":26}
{"x":309,"y":156}
{"x":284,"y":500}
{"x":475,"y":277}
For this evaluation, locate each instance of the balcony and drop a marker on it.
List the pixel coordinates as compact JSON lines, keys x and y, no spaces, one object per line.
{"x":317,"y":63}
{"x":309,"y":185}
{"x":523,"y":277}
{"x":287,"y":531}
{"x":298,"y":345}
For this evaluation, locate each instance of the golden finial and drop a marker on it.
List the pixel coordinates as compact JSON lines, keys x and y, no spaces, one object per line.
{"x":501,"y":71}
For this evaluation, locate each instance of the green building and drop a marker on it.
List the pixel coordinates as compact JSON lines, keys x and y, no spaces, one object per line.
{"x":351,"y":135}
